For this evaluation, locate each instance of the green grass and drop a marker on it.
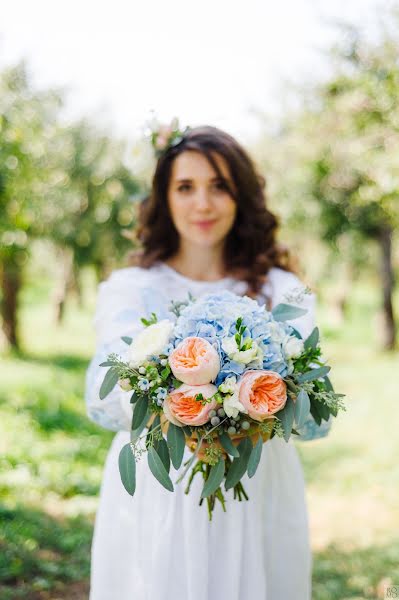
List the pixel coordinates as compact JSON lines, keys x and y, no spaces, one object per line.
{"x":52,"y":457}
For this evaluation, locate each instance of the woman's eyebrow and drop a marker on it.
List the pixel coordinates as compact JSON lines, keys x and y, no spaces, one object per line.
{"x":186,"y":179}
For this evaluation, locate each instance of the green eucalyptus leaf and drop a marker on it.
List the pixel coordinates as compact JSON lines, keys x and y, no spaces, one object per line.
{"x":127,"y":469}
{"x":239,"y":465}
{"x":314,"y":411}
{"x":135,"y":433}
{"x":313,"y":374}
{"x":158,"y":470}
{"x":176,"y":442}
{"x":285,"y":312}
{"x":313,"y":339}
{"x":163,"y":452}
{"x":214,"y":480}
{"x":140,"y":411}
{"x":286,"y":417}
{"x":228,"y":445}
{"x":109,"y":382}
{"x":128,"y":340}
{"x":302,"y":408}
{"x":255,"y":457}
{"x":134,"y":397}
{"x":329,"y":385}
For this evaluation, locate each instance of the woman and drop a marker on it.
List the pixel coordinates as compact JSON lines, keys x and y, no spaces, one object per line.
{"x":205,"y":227}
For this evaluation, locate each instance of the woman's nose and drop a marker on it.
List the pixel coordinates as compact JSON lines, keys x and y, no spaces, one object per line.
{"x":203,"y":199}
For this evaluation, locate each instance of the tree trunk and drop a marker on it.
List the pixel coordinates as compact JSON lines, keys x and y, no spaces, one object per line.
{"x":10,"y":281}
{"x":387,"y":276}
{"x":64,"y":285}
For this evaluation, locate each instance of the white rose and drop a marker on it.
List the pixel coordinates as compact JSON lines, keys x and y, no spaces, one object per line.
{"x":232,"y":406}
{"x":150,"y":341}
{"x":293,"y":347}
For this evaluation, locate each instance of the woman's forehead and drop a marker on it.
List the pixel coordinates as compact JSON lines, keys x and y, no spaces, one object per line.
{"x":193,"y":165}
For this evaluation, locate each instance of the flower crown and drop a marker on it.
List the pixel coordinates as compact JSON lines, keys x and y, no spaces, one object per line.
{"x":164,"y":136}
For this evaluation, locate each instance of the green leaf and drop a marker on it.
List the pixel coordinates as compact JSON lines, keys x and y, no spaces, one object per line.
{"x":239,"y":465}
{"x":139,"y":411}
{"x":107,"y":363}
{"x":284,"y":312}
{"x":329,"y":385}
{"x":313,"y":374}
{"x":228,"y":445}
{"x":109,"y":382}
{"x":158,"y":470}
{"x":302,"y":408}
{"x":165,"y":372}
{"x":128,"y":340}
{"x":134,"y":397}
{"x":286,"y":417}
{"x":255,"y":457}
{"x":176,"y":442}
{"x":135,"y":433}
{"x":313,"y":339}
{"x":163,"y":452}
{"x":127,"y":469}
{"x":216,"y":475}
{"x":314,"y":411}
{"x":323,"y":409}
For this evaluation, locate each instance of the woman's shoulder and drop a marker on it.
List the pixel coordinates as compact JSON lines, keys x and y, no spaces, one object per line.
{"x":125,"y":275}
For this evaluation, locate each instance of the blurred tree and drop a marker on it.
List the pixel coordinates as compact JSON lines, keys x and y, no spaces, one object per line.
{"x":25,"y":119}
{"x":354,"y":172}
{"x":91,"y":203}
{"x":333,"y":161}
{"x":68,"y":184}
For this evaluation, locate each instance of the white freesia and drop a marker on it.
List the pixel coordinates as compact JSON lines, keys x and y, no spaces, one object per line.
{"x":277,"y":333}
{"x":293,"y":347}
{"x":229,"y":385}
{"x":230,"y":346}
{"x":150,"y":341}
{"x":232,"y":406}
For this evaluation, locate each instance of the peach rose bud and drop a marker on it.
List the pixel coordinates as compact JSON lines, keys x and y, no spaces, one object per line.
{"x":182,"y":408}
{"x":194,"y":361}
{"x":263,"y":393}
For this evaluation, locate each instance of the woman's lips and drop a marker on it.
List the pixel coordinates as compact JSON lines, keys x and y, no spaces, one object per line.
{"x":205,"y":224}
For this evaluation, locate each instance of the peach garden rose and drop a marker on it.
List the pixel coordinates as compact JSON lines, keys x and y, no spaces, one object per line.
{"x":263,"y":393}
{"x":194,"y":361}
{"x":182,"y":408}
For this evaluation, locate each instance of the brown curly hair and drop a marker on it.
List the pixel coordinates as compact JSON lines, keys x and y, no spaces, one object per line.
{"x":251,"y":248}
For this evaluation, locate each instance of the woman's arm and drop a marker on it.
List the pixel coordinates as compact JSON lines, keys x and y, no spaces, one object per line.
{"x":118,"y":311}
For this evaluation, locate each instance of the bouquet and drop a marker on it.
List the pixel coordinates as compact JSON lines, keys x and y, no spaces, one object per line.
{"x":222,"y":376}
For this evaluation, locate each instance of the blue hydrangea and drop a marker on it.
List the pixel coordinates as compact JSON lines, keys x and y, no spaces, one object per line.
{"x":213,"y":316}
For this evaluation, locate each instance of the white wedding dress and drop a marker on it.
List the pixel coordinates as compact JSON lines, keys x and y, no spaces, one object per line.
{"x":160,"y":545}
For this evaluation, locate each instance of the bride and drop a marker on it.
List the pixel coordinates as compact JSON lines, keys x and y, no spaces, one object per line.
{"x":205,"y":227}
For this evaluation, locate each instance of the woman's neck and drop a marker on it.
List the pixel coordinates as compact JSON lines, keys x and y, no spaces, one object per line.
{"x":201,"y":264}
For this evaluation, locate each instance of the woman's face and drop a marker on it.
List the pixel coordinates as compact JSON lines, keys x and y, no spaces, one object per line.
{"x":200,"y":204}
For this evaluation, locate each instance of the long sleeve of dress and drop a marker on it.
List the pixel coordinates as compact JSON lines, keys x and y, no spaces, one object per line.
{"x":118,"y":311}
{"x":291,"y":290}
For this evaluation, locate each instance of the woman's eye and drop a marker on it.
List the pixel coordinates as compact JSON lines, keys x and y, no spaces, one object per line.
{"x":183,"y":187}
{"x":221,"y":185}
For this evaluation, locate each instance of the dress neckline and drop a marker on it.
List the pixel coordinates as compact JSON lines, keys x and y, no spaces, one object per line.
{"x":167,"y":269}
